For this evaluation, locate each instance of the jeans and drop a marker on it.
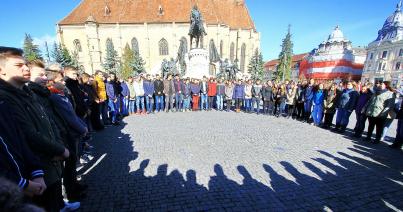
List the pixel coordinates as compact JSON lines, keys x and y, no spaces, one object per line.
{"x":149,"y":104}
{"x":113,"y":109}
{"x":282,"y":107}
{"x":256,"y":101}
{"x":178,"y":101}
{"x":342,"y":117}
{"x":210,"y":102}
{"x":328,"y":120}
{"x":204,"y":100}
{"x":267,"y":106}
{"x":140,"y":102}
{"x":238,"y":102}
{"x":290,"y":110}
{"x":388,"y":122}
{"x":248,"y":105}
{"x":132,"y":105}
{"x":360,"y":125}
{"x":317,"y":114}
{"x":195,"y":102}
{"x":159,"y":103}
{"x":186,"y":103}
{"x":220,"y":102}
{"x":169,"y":102}
{"x":103,"y":108}
{"x":307,"y":110}
{"x":125,"y":106}
{"x":229,"y":104}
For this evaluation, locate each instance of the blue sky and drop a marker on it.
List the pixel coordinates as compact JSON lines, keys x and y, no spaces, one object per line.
{"x":311,"y":21}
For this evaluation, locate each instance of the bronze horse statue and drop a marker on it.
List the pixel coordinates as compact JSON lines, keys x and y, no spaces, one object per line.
{"x":196,"y":27}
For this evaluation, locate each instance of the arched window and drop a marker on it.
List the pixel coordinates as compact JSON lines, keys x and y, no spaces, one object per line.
{"x":135,"y":45}
{"x":232,"y":52}
{"x":77,"y":45}
{"x":243,"y":57}
{"x":163,"y":47}
{"x":221,"y":48}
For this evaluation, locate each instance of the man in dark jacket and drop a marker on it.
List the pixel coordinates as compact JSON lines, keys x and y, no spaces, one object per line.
{"x":267,"y":95}
{"x":178,"y":84}
{"x":148,"y":85}
{"x":159,"y":93}
{"x":34,"y":123}
{"x":398,"y":143}
{"x":17,"y":162}
{"x":169,"y":91}
{"x":76,"y":91}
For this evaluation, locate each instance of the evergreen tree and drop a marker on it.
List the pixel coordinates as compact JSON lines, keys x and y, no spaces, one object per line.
{"x":285,"y":57}
{"x":138,"y":63}
{"x":256,"y":66}
{"x":126,"y":69}
{"x":111,"y":63}
{"x":31,"y":51}
{"x":57,"y":53}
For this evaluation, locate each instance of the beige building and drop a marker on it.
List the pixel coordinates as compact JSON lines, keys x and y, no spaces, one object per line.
{"x":385,"y":54}
{"x":155,"y":29}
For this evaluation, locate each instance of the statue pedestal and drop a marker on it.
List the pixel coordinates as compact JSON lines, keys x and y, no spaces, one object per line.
{"x":197,"y":64}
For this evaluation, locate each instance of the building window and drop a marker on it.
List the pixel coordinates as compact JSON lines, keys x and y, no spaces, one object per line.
{"x":221,"y":48}
{"x":384,"y":54}
{"x":163,"y":47}
{"x":77,"y":45}
{"x":243,"y":57}
{"x":397,"y":67}
{"x":135,"y":45}
{"x":400,"y":52}
{"x":371,"y":56}
{"x":232,"y":51}
{"x":380,"y":66}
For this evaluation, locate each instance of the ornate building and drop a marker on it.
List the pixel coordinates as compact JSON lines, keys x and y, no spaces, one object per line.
{"x":335,"y":58}
{"x":271,"y":67}
{"x":385,"y":54}
{"x":155,"y":29}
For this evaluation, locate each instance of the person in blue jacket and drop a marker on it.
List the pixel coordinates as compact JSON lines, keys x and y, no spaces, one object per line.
{"x":112,"y":94}
{"x":347,"y":103}
{"x":239,"y":95}
{"x":149,"y":93}
{"x":124,"y":98}
{"x":318,"y":101}
{"x":308,"y":96}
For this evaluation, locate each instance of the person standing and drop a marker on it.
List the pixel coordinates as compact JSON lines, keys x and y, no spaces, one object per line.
{"x":203,"y":94}
{"x":212,"y":92}
{"x":159,"y":93}
{"x":125,"y":94}
{"x":329,"y":106}
{"x":112,"y":98}
{"x":220,"y":95}
{"x":132,"y":96}
{"x":378,"y":108}
{"x":398,"y":143}
{"x":256,"y":96}
{"x":100,"y":88}
{"x":300,"y":100}
{"x":178,"y":84}
{"x":229,"y":92}
{"x":346,"y":105}
{"x":169,"y":91}
{"x":239,"y":95}
{"x":318,"y":101}
{"x":195,"y":88}
{"x":267,"y":94}
{"x":148,"y":93}
{"x":291,"y":100}
{"x":139,"y":90}
{"x":364,"y":97}
{"x":186,"y":95}
{"x":308,"y":96}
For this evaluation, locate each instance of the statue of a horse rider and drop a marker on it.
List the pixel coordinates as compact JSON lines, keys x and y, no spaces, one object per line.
{"x":196,"y":27}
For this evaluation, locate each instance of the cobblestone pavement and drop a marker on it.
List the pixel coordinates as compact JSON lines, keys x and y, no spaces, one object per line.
{"x":216,"y":161}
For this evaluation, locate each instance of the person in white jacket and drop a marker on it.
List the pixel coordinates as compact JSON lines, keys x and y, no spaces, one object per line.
{"x":139,"y":90}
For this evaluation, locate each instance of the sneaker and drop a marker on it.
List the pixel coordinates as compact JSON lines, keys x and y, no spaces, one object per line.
{"x":70,"y":206}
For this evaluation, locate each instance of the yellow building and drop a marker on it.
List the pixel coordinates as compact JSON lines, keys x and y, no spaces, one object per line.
{"x":155,"y":28}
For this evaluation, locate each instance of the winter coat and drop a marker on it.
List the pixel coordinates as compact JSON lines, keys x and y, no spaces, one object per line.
{"x":17,"y":162}
{"x":308,"y":93}
{"x":221,"y":89}
{"x":239,"y":92}
{"x":348,"y":99}
{"x":318,"y":97}
{"x":331,"y":99}
{"x":195,"y":88}
{"x":110,"y":91}
{"x":291,"y":93}
{"x":78,"y":95}
{"x":204,"y":87}
{"x":99,"y":86}
{"x":125,"y":90}
{"x":169,"y":88}
{"x":380,"y":104}
{"x":36,"y":127}
{"x":138,"y":88}
{"x":229,"y":91}
{"x":257,"y":91}
{"x":267,"y":93}
{"x":186,"y":90}
{"x":363,"y":100}
{"x":178,"y":85}
{"x":300,"y":94}
{"x":212,"y":91}
{"x":148,"y":87}
{"x":159,"y":87}
{"x":248,"y":91}
{"x":132,"y":92}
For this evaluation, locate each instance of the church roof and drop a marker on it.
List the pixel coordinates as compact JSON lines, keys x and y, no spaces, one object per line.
{"x":392,"y":25}
{"x":232,"y":13}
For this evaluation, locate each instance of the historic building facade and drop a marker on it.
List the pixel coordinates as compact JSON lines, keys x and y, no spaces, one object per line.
{"x":270,"y":67}
{"x":334,"y":59}
{"x":155,"y":29}
{"x":385,"y":54}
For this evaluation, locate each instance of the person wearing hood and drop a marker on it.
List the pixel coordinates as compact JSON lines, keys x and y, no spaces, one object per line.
{"x":345,"y":106}
{"x":377,"y":109}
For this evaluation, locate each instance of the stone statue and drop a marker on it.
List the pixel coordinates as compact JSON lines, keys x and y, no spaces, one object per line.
{"x":181,"y":56}
{"x":196,"y":27}
{"x":227,"y":70}
{"x":168,"y":67}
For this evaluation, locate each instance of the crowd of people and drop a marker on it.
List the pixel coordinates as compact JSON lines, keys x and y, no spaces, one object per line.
{"x":47,"y":115}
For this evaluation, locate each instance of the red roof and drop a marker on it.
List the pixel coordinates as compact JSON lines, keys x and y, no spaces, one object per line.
{"x":232,"y":13}
{"x":295,"y":59}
